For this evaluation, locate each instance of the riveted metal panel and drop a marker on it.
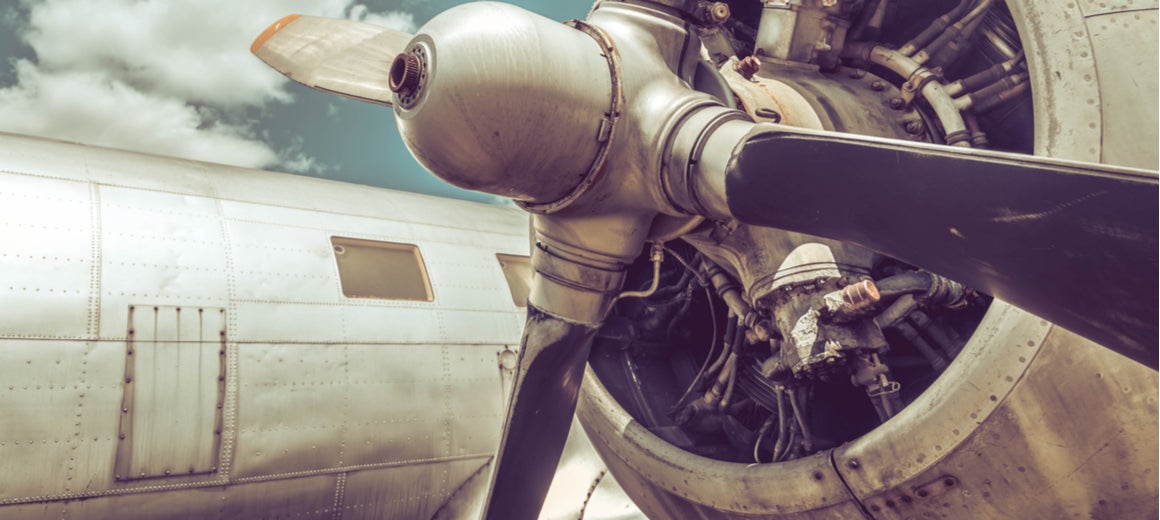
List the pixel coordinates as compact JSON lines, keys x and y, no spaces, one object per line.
{"x":42,"y":407}
{"x":174,"y":391}
{"x":273,"y":262}
{"x":407,"y":418}
{"x":110,"y":167}
{"x":399,"y":323}
{"x":414,"y":491}
{"x":154,"y":255}
{"x":1097,"y":7}
{"x":483,"y":327}
{"x":24,"y":154}
{"x":466,"y":276}
{"x":474,"y":397}
{"x":1075,"y":438}
{"x":296,"y":201}
{"x":45,"y":283}
{"x":291,"y":407}
{"x":306,"y":498}
{"x":1128,"y":83}
{"x":273,"y":322}
{"x":38,"y":511}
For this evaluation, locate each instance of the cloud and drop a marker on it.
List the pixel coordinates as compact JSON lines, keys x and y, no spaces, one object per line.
{"x":93,"y":108}
{"x":397,"y":20}
{"x":173,"y":77}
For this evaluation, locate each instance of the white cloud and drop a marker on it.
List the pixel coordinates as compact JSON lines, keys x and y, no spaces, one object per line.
{"x":172,"y":77}
{"x":96,"y":109}
{"x":397,"y":20}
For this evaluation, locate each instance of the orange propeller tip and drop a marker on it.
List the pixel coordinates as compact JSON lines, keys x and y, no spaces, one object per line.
{"x":269,"y":32}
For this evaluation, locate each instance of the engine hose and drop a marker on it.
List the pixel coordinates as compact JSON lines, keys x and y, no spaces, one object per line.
{"x":985,"y":77}
{"x":765,"y":427}
{"x":730,"y":331}
{"x":905,"y":283}
{"x":782,"y":427}
{"x":936,"y":358}
{"x":932,"y":91}
{"x":898,"y":310}
{"x":959,"y":32}
{"x":950,"y":52}
{"x":926,"y":326}
{"x":935,"y":28}
{"x":1003,"y":97}
{"x":703,"y":374}
{"x":799,"y":415}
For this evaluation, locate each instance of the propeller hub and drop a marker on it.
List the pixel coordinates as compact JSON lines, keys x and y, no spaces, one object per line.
{"x":508,"y":102}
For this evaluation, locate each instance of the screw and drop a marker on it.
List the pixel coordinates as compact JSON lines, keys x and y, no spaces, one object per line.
{"x":897,"y":103}
{"x":854,"y":464}
{"x":857,"y":73}
{"x":878,"y":86}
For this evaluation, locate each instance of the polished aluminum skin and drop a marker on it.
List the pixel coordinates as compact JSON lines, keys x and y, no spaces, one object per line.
{"x":176,"y":344}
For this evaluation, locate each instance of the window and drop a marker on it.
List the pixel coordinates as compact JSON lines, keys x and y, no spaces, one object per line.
{"x":383,"y":270}
{"x":518,"y":271}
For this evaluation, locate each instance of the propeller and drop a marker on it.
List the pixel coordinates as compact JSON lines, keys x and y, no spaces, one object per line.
{"x":544,"y":393}
{"x":343,"y":57}
{"x":593,"y":127}
{"x":1075,"y":243}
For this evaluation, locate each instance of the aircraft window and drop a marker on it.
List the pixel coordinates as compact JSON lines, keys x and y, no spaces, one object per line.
{"x":383,"y":270}
{"x":518,"y":271}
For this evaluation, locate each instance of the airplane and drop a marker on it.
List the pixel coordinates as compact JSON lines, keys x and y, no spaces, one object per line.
{"x":776,"y":272}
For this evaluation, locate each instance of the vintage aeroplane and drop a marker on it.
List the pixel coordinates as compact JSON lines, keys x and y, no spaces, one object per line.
{"x":773,"y":261}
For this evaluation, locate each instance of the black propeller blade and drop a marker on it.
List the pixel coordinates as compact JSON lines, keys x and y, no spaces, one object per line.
{"x":544,"y":394}
{"x":1071,"y":242}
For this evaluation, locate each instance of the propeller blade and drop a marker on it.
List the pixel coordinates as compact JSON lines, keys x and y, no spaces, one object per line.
{"x":544,"y":394}
{"x":344,"y":57}
{"x":1074,"y":243}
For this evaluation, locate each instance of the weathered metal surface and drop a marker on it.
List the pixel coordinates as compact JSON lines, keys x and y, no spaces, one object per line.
{"x":331,"y":406}
{"x":413,"y":491}
{"x":1127,"y":66}
{"x":46,"y":282}
{"x":175,"y":372}
{"x":668,"y":482}
{"x":1073,"y":436}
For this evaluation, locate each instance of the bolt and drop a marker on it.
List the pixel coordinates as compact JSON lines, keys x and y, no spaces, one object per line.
{"x":716,"y":13}
{"x":854,"y":464}
{"x":897,"y":103}
{"x":914,"y":127}
{"x":857,"y":73}
{"x":748,"y":67}
{"x":878,"y":86}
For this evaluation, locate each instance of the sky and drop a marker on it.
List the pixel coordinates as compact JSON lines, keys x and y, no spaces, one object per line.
{"x":176,"y":78}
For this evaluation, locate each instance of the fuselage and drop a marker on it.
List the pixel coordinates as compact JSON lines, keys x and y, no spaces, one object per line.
{"x":190,"y":340}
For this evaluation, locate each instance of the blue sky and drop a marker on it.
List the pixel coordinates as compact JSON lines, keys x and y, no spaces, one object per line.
{"x":175,"y":77}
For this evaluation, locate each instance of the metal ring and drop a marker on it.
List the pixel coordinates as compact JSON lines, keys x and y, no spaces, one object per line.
{"x":699,"y":146}
{"x":607,"y":126}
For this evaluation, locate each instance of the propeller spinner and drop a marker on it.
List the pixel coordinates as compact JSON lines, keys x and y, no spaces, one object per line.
{"x":592,"y":127}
